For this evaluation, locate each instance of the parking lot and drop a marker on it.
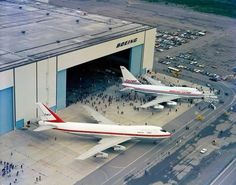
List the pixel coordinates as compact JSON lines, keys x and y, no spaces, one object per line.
{"x":187,"y":61}
{"x":166,"y":40}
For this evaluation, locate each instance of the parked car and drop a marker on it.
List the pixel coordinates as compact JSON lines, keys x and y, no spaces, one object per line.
{"x":203,"y":151}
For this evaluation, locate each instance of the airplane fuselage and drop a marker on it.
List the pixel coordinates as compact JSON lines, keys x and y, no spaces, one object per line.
{"x":111,"y":134}
{"x":155,"y":90}
{"x":90,"y":129}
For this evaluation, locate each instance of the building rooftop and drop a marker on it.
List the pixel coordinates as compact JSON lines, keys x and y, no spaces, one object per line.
{"x":32,"y":31}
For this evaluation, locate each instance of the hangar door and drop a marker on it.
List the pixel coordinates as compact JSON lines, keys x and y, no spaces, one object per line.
{"x":94,"y":76}
{"x":78,"y":81}
{"x":6,"y":107}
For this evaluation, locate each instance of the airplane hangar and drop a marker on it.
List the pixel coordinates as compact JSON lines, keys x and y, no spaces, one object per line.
{"x":42,"y":44}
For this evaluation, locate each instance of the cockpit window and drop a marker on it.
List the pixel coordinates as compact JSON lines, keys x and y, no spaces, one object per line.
{"x":163,"y":130}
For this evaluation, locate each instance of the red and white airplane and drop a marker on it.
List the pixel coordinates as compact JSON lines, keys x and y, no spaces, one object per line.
{"x":164,"y":94}
{"x":111,"y":134}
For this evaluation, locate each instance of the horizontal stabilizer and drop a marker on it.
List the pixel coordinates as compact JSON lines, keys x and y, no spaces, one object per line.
{"x":44,"y":127}
{"x":127,"y":89}
{"x":153,"y":81}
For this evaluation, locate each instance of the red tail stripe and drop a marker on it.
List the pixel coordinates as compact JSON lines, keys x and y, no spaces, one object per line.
{"x":57,"y":118}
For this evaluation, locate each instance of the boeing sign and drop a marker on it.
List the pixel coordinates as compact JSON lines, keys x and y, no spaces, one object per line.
{"x":131,"y":41}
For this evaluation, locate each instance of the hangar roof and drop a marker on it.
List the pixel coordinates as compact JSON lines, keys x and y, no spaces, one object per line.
{"x":31,"y":31}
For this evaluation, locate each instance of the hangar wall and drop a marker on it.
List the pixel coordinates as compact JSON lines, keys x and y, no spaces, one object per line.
{"x":148,"y":50}
{"x":6,"y":79}
{"x":46,"y":77}
{"x":25,"y":93}
{"x":97,"y":51}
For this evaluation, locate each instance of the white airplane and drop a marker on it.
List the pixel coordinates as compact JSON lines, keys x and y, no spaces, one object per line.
{"x":164,"y":94}
{"x":111,"y":134}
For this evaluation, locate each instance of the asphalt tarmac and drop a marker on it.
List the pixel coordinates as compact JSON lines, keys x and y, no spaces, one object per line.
{"x":133,"y":162}
{"x":227,"y":176}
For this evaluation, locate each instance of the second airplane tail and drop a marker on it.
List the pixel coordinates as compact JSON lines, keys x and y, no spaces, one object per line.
{"x":128,"y":77}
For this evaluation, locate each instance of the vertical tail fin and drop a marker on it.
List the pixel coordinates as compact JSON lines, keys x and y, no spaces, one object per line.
{"x":128,"y":77}
{"x":49,"y":115}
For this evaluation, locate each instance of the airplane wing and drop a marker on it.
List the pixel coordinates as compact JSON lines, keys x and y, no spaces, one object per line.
{"x":102,"y":145}
{"x":42,"y":128}
{"x":159,"y":99}
{"x":153,"y":81}
{"x":97,"y":116}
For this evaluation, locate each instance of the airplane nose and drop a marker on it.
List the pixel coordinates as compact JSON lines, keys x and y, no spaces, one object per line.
{"x":169,"y":134}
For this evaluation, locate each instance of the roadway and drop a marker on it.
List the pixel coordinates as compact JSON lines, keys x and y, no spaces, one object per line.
{"x":143,"y":156}
{"x":227,"y":176}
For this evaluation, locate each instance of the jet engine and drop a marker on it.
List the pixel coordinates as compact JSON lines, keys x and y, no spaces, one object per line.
{"x":171,"y":103}
{"x":158,"y":107}
{"x":102,"y":155}
{"x":119,"y":148}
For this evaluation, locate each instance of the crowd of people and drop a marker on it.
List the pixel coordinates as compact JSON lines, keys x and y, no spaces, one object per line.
{"x":103,"y":96}
{"x":11,"y":170}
